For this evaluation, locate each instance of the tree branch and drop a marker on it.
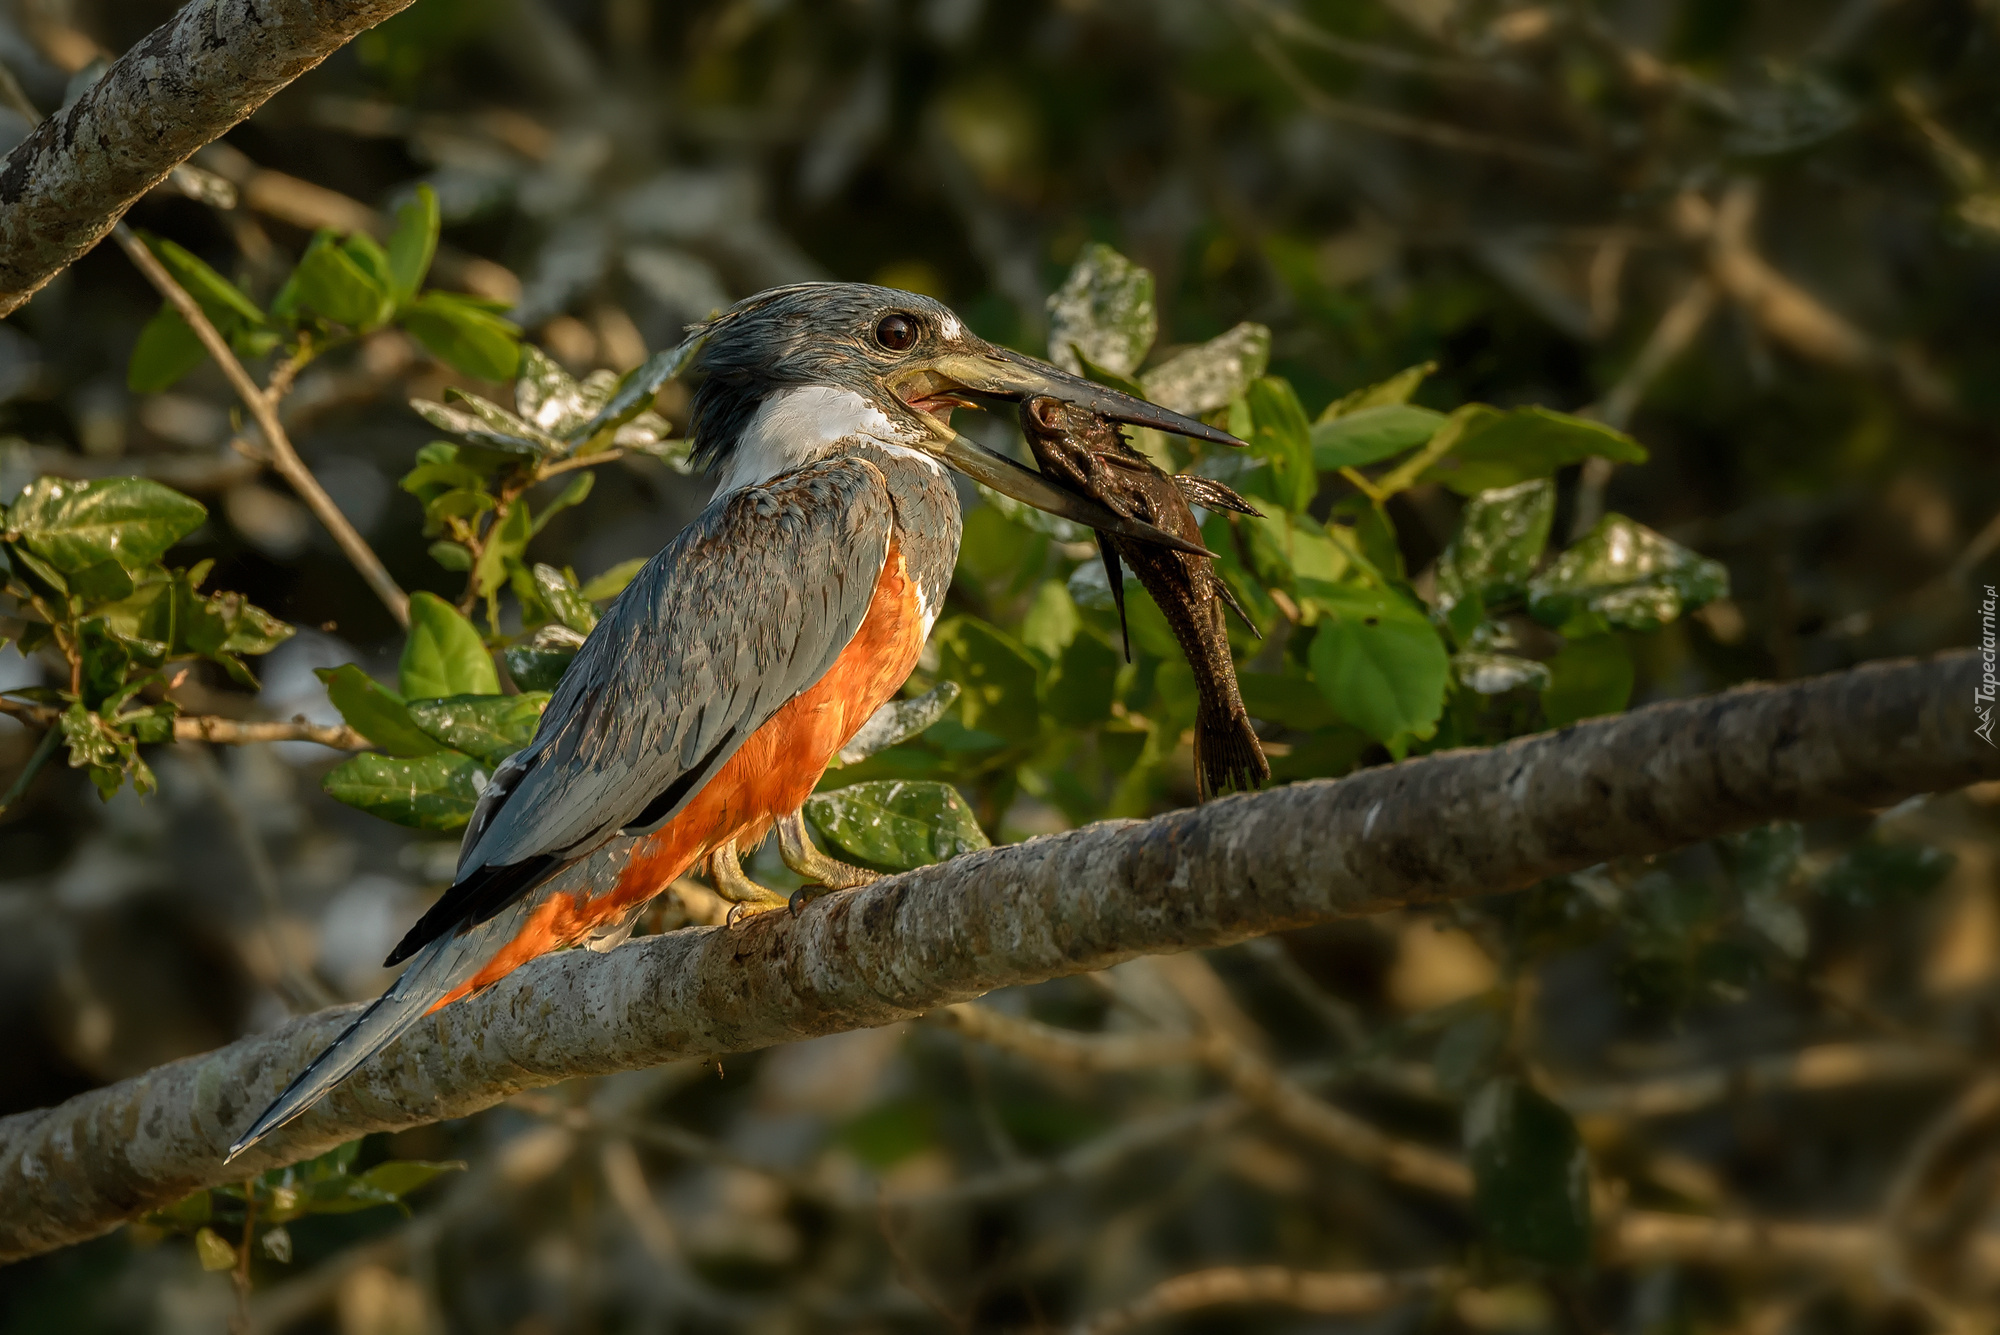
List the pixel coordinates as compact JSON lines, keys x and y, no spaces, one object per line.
{"x":188,"y":82}
{"x":1446,"y":826}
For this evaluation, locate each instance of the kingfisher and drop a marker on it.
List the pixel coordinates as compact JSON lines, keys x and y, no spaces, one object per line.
{"x":701,"y":712}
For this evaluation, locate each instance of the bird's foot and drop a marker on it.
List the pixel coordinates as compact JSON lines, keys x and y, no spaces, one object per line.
{"x":744,"y":895}
{"x":803,"y":856}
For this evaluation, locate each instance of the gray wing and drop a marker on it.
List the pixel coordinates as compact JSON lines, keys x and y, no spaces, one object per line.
{"x":750,"y":605}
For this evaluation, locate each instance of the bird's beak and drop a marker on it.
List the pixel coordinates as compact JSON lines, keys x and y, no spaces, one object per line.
{"x":1002,"y":373}
{"x":944,"y":380}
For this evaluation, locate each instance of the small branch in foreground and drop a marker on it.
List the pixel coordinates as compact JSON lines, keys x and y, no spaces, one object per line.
{"x":1323,"y":1293}
{"x":222,"y":731}
{"x":1426,"y":831}
{"x":264,"y":411}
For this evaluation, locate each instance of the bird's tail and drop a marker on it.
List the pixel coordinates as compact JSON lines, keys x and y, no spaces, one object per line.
{"x":1227,"y":754}
{"x":434,"y":971}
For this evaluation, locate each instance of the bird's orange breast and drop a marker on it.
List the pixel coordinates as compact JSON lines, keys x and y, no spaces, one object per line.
{"x":771,"y":775}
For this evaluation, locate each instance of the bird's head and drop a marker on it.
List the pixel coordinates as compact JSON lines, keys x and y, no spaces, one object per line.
{"x":791,"y":372}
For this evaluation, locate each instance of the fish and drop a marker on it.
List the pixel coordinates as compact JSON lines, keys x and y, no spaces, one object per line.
{"x":1088,"y":453}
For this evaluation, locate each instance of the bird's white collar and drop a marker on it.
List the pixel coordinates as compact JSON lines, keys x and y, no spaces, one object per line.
{"x":799,"y":423}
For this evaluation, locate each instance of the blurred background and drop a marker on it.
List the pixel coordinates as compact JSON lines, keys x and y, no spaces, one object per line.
{"x":1763,"y":236}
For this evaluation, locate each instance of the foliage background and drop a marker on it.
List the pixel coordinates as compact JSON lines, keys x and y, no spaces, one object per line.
{"x":1762,"y":237}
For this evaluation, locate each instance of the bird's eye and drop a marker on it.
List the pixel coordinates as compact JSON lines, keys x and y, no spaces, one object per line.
{"x":897,"y":333}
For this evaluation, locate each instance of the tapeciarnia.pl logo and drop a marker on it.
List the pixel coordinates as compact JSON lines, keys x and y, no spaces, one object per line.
{"x":1989,"y":660}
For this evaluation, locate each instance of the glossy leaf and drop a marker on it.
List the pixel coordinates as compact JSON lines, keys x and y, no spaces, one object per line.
{"x":634,"y":394}
{"x":1488,"y":673}
{"x":167,"y":350}
{"x":375,"y":711}
{"x":539,"y":662}
{"x":1396,"y":389}
{"x":1205,"y":377}
{"x":465,"y":336}
{"x":75,"y":525}
{"x":443,"y":655}
{"x":487,"y":727}
{"x":603,"y":588}
{"x":1531,"y":1178}
{"x":413,"y":244}
{"x":433,"y":792}
{"x":1500,"y":537}
{"x":1283,"y":439}
{"x":1627,"y":574}
{"x":1104,"y":308}
{"x":898,"y":721}
{"x":506,"y":543}
{"x":1381,"y":665}
{"x":1371,"y":435}
{"x":894,"y":824}
{"x":1498,"y":449}
{"x":329,"y":282}
{"x":549,"y":396}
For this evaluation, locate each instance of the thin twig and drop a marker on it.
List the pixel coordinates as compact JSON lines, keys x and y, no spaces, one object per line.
{"x":223,"y":731}
{"x":1327,"y":1294}
{"x":45,"y":748}
{"x":282,"y":456}
{"x":1435,"y":133}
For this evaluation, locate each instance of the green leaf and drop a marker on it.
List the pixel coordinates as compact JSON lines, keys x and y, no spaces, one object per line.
{"x":413,"y":244}
{"x":1207,"y":376}
{"x":1500,"y":537}
{"x":1488,"y":673}
{"x":1371,"y":435}
{"x":1051,"y":621}
{"x":105,"y":582}
{"x":506,"y":543}
{"x":564,"y":599}
{"x":1000,"y":681}
{"x":1381,"y":665}
{"x":897,"y":722}
{"x":1499,"y":449}
{"x":375,"y":711}
{"x":574,"y":494}
{"x":1531,"y":1178}
{"x":538,"y":664}
{"x":486,"y":424}
{"x":433,"y":792}
{"x":443,"y":654}
{"x":1294,"y":702}
{"x":1627,"y":574}
{"x":75,"y":525}
{"x":603,"y":588}
{"x":1591,"y":676}
{"x":219,"y":299}
{"x":1283,"y":439}
{"x":451,"y":556}
{"x":463,"y":336}
{"x":487,"y":727}
{"x":634,"y":394}
{"x":1396,"y":389}
{"x":370,"y":258}
{"x":329,"y":282}
{"x":894,"y":824}
{"x":1105,"y":309}
{"x":168,"y":349}
{"x":212,"y":1251}
{"x":549,"y":396}
{"x":1878,"y":873}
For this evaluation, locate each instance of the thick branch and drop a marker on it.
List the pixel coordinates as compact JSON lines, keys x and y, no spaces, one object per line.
{"x":189,"y":81}
{"x":1458,"y":824}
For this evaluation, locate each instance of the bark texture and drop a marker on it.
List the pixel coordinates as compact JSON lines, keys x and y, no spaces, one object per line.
{"x":1450,"y":825}
{"x":188,"y":82}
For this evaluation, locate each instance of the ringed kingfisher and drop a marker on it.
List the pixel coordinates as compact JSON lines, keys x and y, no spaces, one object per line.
{"x":705,"y":706}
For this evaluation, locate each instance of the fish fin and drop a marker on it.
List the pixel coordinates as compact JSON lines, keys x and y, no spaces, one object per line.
{"x":1222,"y":591}
{"x":1116,"y":575}
{"x":1212,"y":495}
{"x":1227,"y":754}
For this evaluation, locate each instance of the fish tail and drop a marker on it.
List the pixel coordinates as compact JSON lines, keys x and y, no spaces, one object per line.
{"x":1227,"y":754}
{"x":435,"y":970}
